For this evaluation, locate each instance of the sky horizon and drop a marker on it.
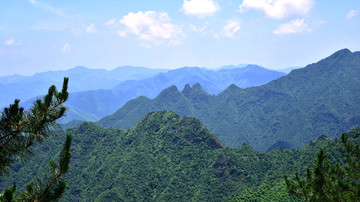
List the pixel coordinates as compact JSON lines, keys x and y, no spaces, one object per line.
{"x":43,"y":35}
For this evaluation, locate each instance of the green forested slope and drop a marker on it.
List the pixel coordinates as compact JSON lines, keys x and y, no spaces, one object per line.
{"x":322,"y":98}
{"x":100,"y":103}
{"x":166,"y":157}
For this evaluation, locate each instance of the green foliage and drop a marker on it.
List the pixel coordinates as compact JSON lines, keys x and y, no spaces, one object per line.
{"x":267,"y":191}
{"x":52,"y":185}
{"x":166,"y":157}
{"x":321,"y":98}
{"x":20,"y":129}
{"x":330,"y":182}
{"x":8,"y":194}
{"x":99,"y":103}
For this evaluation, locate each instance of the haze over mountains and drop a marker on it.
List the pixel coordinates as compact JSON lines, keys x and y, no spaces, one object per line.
{"x":321,"y":98}
{"x":82,"y":79}
{"x":170,"y":156}
{"x":100,"y":92}
{"x":289,"y":111}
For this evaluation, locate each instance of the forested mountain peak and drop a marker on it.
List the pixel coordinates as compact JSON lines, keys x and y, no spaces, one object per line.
{"x":87,"y":126}
{"x":340,"y":54}
{"x":341,"y":59}
{"x":170,"y":92}
{"x":195,"y":90}
{"x":96,"y":93}
{"x":186,"y":89}
{"x":164,"y":124}
{"x":166,"y":155}
{"x":287,"y":112}
{"x":231,"y":89}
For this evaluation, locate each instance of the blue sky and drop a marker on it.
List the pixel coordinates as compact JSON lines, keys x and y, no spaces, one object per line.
{"x":42,"y":35}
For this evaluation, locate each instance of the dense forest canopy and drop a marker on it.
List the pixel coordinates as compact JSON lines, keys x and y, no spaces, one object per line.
{"x":166,"y":156}
{"x":321,"y":98}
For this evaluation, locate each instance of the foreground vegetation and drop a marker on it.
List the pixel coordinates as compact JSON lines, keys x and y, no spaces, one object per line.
{"x":19,"y":130}
{"x":168,"y":157}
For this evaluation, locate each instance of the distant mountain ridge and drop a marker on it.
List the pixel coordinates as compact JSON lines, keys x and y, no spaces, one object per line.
{"x":81,"y":79}
{"x":322,"y":98}
{"x":104,"y":102}
{"x":95,"y":93}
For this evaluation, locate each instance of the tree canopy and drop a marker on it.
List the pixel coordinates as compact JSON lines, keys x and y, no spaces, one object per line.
{"x":330,"y":182}
{"x":19,"y":129}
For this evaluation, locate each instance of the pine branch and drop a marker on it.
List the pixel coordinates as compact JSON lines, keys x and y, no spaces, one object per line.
{"x":20,"y":129}
{"x":64,"y":160}
{"x":49,"y":185}
{"x":42,"y":191}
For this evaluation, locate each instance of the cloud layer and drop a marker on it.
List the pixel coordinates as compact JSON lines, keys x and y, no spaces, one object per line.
{"x":200,"y":8}
{"x":352,"y":14}
{"x":12,"y":42}
{"x":66,"y":48}
{"x":230,"y":29}
{"x":295,"y":26}
{"x":47,"y":7}
{"x":278,"y":8}
{"x":91,"y":29}
{"x":150,"y":26}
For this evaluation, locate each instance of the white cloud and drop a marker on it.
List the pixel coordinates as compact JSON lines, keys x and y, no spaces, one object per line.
{"x":66,"y":48}
{"x":46,"y":7}
{"x":230,"y":29}
{"x":76,"y":31}
{"x":200,"y":8}
{"x":151,"y":26}
{"x":295,"y":26}
{"x":278,"y":8}
{"x":352,"y":14}
{"x":199,"y":29}
{"x":12,"y":42}
{"x":91,"y":29}
{"x":9,"y":42}
{"x":110,"y":22}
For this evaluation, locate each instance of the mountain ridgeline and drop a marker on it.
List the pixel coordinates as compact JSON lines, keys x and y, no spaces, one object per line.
{"x":82,"y":79}
{"x":166,"y":157}
{"x":103,"y":99}
{"x":170,"y":156}
{"x":289,"y":112}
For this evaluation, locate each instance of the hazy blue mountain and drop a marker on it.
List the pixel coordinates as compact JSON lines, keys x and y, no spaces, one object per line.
{"x":231,"y":66}
{"x":104,"y":102}
{"x":81,"y":79}
{"x":322,"y":98}
{"x":11,"y":79}
{"x":289,"y":69}
{"x":88,"y":102}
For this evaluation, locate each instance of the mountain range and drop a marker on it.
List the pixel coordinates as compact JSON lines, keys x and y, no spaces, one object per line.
{"x":82,"y":79}
{"x":108,"y":93}
{"x":96,"y":93}
{"x":289,"y":112}
{"x":166,"y":157}
{"x":100,"y":103}
{"x":275,"y":129}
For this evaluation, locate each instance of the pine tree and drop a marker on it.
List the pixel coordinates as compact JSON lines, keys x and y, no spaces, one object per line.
{"x":327,"y":182}
{"x":19,"y":129}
